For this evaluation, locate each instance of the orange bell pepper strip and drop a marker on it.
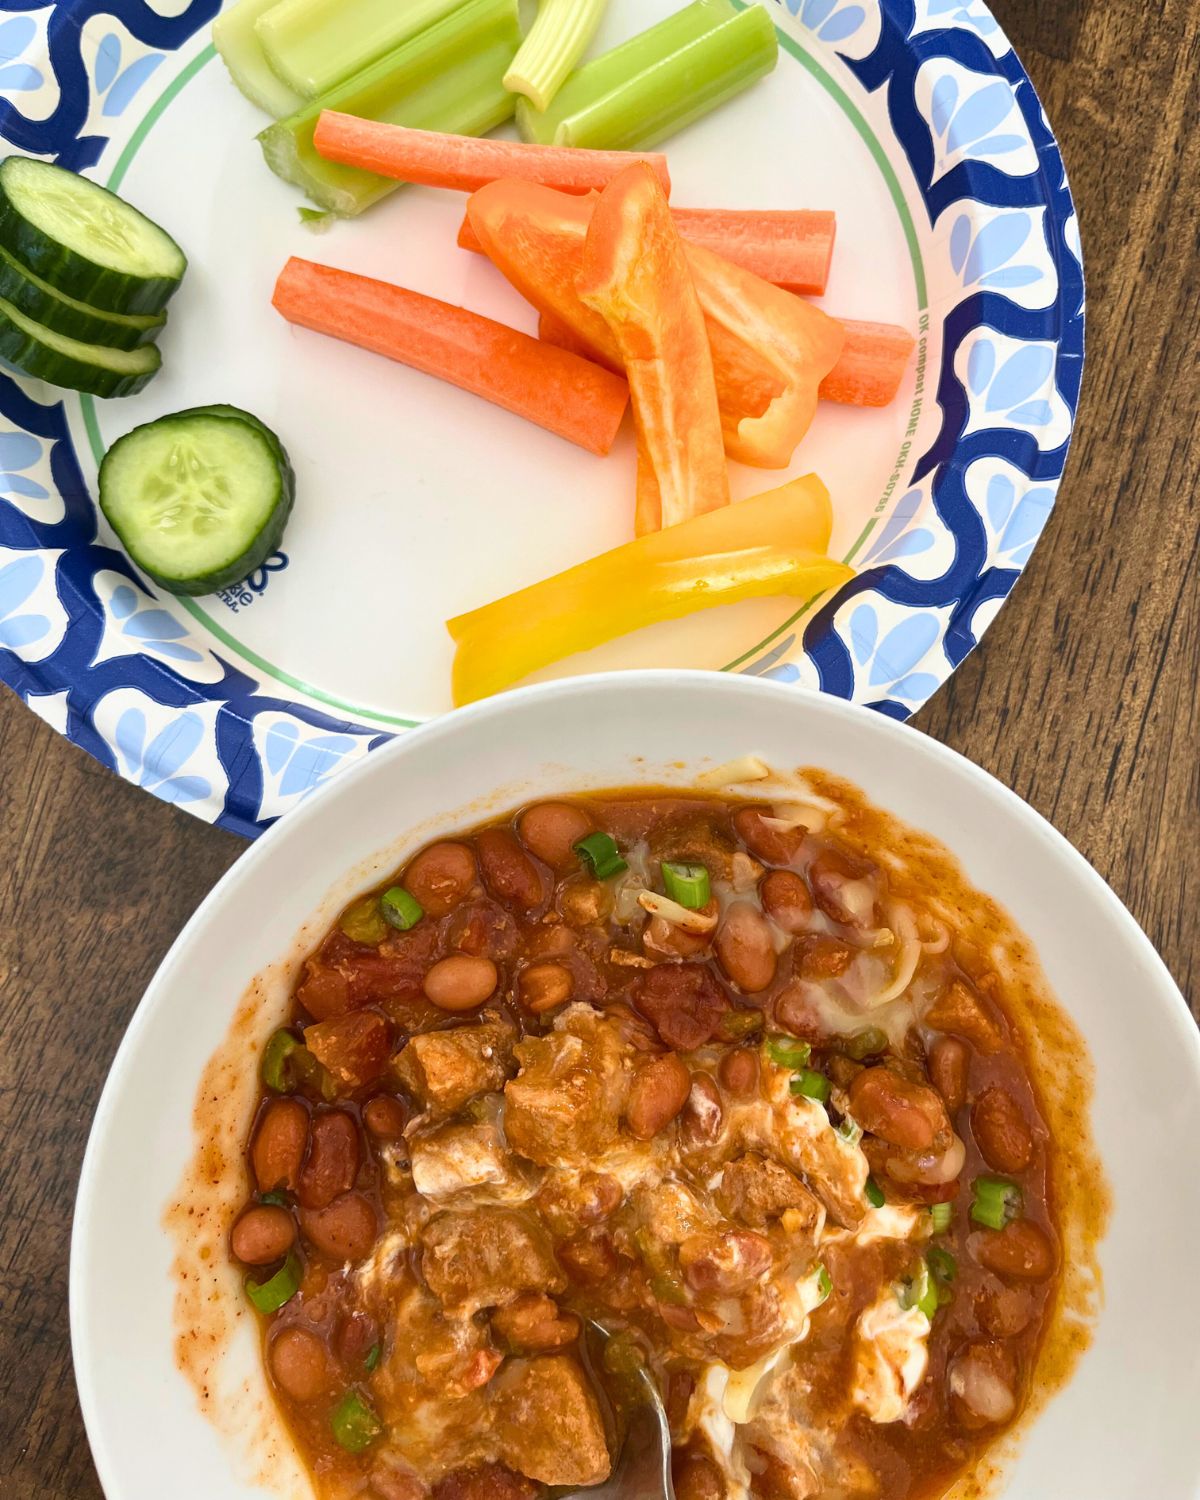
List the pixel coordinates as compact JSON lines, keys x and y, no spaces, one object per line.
{"x":635,"y":275}
{"x":774,"y":544}
{"x":770,"y":350}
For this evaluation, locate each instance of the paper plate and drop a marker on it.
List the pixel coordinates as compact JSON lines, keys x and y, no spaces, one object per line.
{"x":913,"y":119}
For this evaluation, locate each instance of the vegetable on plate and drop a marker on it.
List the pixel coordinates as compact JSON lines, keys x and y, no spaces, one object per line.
{"x":313,"y":45}
{"x":659,"y":81}
{"x":558,"y":38}
{"x":44,"y":304}
{"x":449,"y":77}
{"x":236,"y":39}
{"x":199,"y":499}
{"x":763,"y":339}
{"x":566,"y":395}
{"x":61,"y":360}
{"x":463,"y":163}
{"x":773,"y":544}
{"x":635,"y":274}
{"x":793,"y":247}
{"x":84,"y":241}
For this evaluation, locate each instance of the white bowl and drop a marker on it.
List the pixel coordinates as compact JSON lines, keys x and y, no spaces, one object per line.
{"x":1123,"y":1428}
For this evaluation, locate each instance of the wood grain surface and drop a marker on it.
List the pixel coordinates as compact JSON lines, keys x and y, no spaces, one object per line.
{"x":1083,"y":697}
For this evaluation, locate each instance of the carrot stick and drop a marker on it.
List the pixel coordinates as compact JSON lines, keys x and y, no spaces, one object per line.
{"x":871,"y":365}
{"x":792,"y":248}
{"x":461,"y":162}
{"x":868,"y":372}
{"x":559,"y":391}
{"x":635,"y":275}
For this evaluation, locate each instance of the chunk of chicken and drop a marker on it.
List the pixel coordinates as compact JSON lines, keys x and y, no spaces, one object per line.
{"x":486,"y":1257}
{"x":464,"y":1158}
{"x":548,"y":1423}
{"x":443,"y":1070}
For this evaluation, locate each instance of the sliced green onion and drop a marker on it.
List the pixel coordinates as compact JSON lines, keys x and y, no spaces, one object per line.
{"x":278,"y":1070}
{"x":374,"y":1353}
{"x":942,"y":1215}
{"x":919,"y":1290}
{"x":355,"y":1426}
{"x":942,"y":1264}
{"x":687,"y":884}
{"x":363,"y":922}
{"x":669,"y":1290}
{"x":400,"y":909}
{"x":850,"y":1131}
{"x":600,"y":854}
{"x":273,"y":1200}
{"x":658,"y":82}
{"x":270,"y":1295}
{"x":868,"y":1043}
{"x":874,"y":1193}
{"x":313,"y":45}
{"x":553,"y":45}
{"x":996,"y":1202}
{"x":623,"y":1355}
{"x":739,"y":1023}
{"x":788,"y":1053}
{"x":811,"y":1085}
{"x":824,"y":1283}
{"x":449,"y":77}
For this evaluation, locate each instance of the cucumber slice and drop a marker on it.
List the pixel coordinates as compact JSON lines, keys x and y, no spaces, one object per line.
{"x":84,"y":240}
{"x":199,"y":499}
{"x":38,"y":300}
{"x":64,"y":361}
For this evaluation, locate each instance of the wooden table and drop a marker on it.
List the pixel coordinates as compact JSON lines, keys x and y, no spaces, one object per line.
{"x":1083,"y":698}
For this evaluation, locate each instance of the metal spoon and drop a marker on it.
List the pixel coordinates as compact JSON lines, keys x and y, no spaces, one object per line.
{"x":642,"y":1470}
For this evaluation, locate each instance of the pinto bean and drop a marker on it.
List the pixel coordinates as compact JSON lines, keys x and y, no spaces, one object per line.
{"x":508,"y":872}
{"x":263,"y":1234}
{"x":300,"y":1364}
{"x":738,"y":1072}
{"x":277,"y":1153}
{"x":696,"y":1476}
{"x":551,"y":830}
{"x":786,"y":900}
{"x":948,"y":1065}
{"x":904,"y":1114}
{"x":1020,"y":1250}
{"x":703,"y":1112}
{"x":1003,"y":1311}
{"x":819,"y":957}
{"x":343,"y":1230}
{"x":982,"y":1378}
{"x":332,"y":1163}
{"x":1001,"y":1132}
{"x":385,"y":1117}
{"x":544,"y":987}
{"x":744,"y":948}
{"x":657,"y":1094}
{"x":725,"y":1264}
{"x":441,"y":877}
{"x":844,"y":889}
{"x":774,"y":846}
{"x":461,"y":982}
{"x":533,"y":1324}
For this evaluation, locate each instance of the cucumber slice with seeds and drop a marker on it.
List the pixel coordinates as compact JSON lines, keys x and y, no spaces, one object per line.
{"x":69,"y":362}
{"x":199,"y":499}
{"x":85,"y":241}
{"x":38,"y":300}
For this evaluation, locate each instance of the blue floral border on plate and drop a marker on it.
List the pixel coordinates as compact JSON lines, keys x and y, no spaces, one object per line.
{"x":1007,"y":387}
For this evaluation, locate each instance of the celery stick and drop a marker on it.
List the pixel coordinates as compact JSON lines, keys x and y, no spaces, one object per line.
{"x":235,"y":38}
{"x":554,"y":44}
{"x":449,"y":78}
{"x":314,"y":45}
{"x":653,"y":85}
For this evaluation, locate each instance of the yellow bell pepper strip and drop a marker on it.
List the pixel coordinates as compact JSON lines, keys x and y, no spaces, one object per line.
{"x":635,"y":275}
{"x":770,"y":349}
{"x":773,"y":544}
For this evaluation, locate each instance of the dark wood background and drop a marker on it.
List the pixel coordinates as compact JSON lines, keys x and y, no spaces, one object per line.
{"x":1083,"y":698}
